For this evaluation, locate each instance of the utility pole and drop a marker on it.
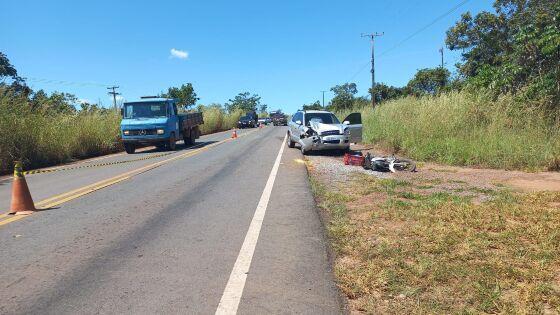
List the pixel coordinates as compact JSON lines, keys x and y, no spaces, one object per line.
{"x":114,"y":93}
{"x":323,"y":98}
{"x":441,"y":52}
{"x":372,"y":37}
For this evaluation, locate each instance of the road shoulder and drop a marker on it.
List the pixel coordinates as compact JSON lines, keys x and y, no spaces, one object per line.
{"x":291,"y":271}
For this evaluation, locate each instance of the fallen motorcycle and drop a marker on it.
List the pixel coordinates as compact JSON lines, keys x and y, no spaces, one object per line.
{"x":388,"y":163}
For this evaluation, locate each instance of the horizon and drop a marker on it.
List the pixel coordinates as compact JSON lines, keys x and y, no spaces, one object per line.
{"x":225,"y":49}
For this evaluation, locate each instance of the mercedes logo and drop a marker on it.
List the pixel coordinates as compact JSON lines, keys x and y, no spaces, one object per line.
{"x":142,"y":132}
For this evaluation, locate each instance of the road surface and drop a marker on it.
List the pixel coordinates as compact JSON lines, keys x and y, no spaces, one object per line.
{"x":222,"y":227}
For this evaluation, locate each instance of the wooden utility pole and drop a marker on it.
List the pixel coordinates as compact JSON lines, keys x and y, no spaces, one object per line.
{"x":114,"y":93}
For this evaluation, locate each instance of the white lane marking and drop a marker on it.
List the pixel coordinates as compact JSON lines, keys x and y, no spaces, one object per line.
{"x":234,"y":288}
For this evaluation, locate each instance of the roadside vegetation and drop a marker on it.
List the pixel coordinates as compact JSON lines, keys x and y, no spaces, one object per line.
{"x":500,"y":109}
{"x":44,"y":129}
{"x":417,"y":247}
{"x":463,"y":128}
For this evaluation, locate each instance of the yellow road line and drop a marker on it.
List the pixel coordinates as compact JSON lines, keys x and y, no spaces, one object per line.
{"x":79,"y":192}
{"x":12,"y":219}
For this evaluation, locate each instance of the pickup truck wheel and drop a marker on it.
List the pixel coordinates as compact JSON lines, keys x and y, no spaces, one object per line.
{"x":172,"y":143}
{"x":129,"y":148}
{"x":303,"y":151}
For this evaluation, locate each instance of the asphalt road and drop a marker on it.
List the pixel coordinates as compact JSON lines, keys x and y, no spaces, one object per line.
{"x":171,"y":234}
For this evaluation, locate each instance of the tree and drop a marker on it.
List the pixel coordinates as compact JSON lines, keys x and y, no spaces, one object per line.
{"x":6,"y":68}
{"x":185,"y":94}
{"x":245,"y":102}
{"x":516,"y":49}
{"x":313,"y":106}
{"x":343,"y":96}
{"x":384,"y":92}
{"x":429,"y":81}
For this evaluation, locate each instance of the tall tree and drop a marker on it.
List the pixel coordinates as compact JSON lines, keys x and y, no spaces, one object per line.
{"x":185,"y":94}
{"x":245,"y":102}
{"x":6,"y":68}
{"x":384,"y":92}
{"x":429,"y":81}
{"x":313,"y":106}
{"x":343,"y":96}
{"x":516,"y":48}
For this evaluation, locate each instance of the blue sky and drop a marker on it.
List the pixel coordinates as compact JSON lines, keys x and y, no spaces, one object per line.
{"x":285,"y":51}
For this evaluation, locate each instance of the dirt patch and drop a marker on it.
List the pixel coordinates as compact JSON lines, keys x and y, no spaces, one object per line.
{"x":452,"y":177}
{"x":443,"y":239}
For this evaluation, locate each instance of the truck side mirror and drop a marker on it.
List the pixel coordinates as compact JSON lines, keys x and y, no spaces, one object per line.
{"x":298,"y":122}
{"x":122,"y":112}
{"x":346,"y":122}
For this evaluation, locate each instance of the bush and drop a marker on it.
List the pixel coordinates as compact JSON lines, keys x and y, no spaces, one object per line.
{"x":462,"y":128}
{"x":41,"y":139}
{"x":216,"y":119}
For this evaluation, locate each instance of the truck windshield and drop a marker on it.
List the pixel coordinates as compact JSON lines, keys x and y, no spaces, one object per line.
{"x":324,"y":118}
{"x":145,"y":110}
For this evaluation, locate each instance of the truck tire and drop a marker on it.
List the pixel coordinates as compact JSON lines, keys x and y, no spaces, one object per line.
{"x":172,"y":145}
{"x":129,"y":148}
{"x":189,"y":140}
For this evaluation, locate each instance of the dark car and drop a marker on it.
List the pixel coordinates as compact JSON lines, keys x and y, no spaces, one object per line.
{"x":246,"y":122}
{"x":279,"y":119}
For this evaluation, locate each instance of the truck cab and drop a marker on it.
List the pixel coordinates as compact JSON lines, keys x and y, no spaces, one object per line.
{"x":155,"y":121}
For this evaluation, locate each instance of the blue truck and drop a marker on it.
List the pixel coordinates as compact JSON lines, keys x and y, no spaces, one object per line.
{"x":156,"y":121}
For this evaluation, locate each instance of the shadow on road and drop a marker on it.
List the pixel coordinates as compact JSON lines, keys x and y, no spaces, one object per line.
{"x":180,"y":147}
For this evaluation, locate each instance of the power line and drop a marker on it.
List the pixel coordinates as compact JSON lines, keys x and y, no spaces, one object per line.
{"x":460,"y":4}
{"x":64,"y":82}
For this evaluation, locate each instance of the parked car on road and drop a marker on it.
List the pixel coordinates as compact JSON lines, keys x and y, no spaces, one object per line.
{"x":321,"y":130}
{"x":278,"y":119}
{"x":246,"y":122}
{"x":262,"y":121}
{"x":155,"y":121}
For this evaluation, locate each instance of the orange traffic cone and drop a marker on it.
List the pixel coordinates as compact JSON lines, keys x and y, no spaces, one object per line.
{"x":22,"y":203}
{"x":234,"y":134}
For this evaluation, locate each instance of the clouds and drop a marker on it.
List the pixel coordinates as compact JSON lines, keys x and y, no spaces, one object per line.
{"x":179,"y":54}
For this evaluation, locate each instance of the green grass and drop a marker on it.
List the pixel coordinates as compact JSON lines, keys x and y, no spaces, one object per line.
{"x":216,"y":119}
{"x":42,"y":139}
{"x":461,"y":128}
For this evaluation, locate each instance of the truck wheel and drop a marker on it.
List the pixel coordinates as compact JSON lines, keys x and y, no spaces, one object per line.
{"x":172,"y":145}
{"x":129,"y":148}
{"x":303,"y":151}
{"x":188,"y":140}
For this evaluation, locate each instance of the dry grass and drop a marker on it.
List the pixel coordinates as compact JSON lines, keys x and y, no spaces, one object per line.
{"x":401,"y":248}
{"x":460,"y":128}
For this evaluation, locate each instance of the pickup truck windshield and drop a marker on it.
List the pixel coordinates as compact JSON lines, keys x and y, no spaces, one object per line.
{"x":145,"y":110}
{"x":324,"y":118}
